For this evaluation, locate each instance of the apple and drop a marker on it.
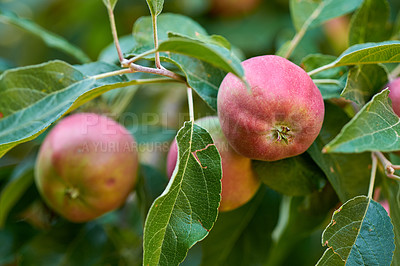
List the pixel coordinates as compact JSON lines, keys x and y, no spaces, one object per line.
{"x":239,"y":182}
{"x":86,"y":166}
{"x":394,"y":95}
{"x":279,"y":117}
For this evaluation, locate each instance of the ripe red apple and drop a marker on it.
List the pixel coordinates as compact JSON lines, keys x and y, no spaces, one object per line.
{"x":394,"y":95}
{"x":280,"y":117}
{"x":233,"y":7}
{"x":239,"y":182}
{"x":87,"y":166}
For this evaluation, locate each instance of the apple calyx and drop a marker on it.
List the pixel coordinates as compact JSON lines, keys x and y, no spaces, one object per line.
{"x":72,"y":193}
{"x":281,"y":133}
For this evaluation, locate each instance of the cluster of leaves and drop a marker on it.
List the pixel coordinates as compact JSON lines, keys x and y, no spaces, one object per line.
{"x":298,"y":194}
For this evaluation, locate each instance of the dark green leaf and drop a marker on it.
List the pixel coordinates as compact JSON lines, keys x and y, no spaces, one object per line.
{"x":298,"y":218}
{"x":51,"y":39}
{"x":187,"y":209}
{"x":151,"y":184}
{"x":370,"y":22}
{"x":210,"y":53}
{"x":201,"y":76}
{"x":295,"y":176}
{"x":234,"y":228}
{"x":316,"y":12}
{"x":363,"y":82}
{"x":110,"y":54}
{"x":167,"y":23}
{"x":375,"y":127}
{"x":155,"y":6}
{"x":360,"y":233}
{"x":347,"y":180}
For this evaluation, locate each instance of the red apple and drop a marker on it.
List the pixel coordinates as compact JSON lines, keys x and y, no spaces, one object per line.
{"x":87,"y":166}
{"x":279,"y":118}
{"x":239,"y":182}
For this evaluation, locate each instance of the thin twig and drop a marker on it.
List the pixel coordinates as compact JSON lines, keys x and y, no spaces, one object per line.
{"x":112,"y":73}
{"x":155,"y":34}
{"x":114,"y":32}
{"x":161,"y":72}
{"x":373,"y":175}
{"x":127,"y":62}
{"x":190,"y":101}
{"x":300,"y":34}
{"x":320,"y":69}
{"x":326,"y":81}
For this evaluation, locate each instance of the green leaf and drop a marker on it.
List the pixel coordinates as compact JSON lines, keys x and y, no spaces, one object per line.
{"x":55,"y":89}
{"x":299,"y":217}
{"x":22,"y":87}
{"x":374,"y":127}
{"x":370,"y":23}
{"x":347,"y":180}
{"x":167,"y":23}
{"x":155,"y":6}
{"x":151,"y":184}
{"x":363,"y":82}
{"x":51,"y":39}
{"x":367,"y":53}
{"x":315,"y":12}
{"x":330,"y":82}
{"x":210,"y":53}
{"x":245,"y":231}
{"x":295,"y":176}
{"x":201,"y":76}
{"x":360,"y":233}
{"x":110,"y":54}
{"x":188,"y":208}
{"x":110,"y":3}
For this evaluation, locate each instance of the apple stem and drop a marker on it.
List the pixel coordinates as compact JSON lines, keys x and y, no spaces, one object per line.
{"x":300,"y":34}
{"x":373,"y":175}
{"x":114,"y":32}
{"x":190,"y":102}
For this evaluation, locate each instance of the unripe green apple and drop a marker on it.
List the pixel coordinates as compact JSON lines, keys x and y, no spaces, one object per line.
{"x":394,"y":95}
{"x":239,"y":182}
{"x":87,"y":166}
{"x":279,"y":117}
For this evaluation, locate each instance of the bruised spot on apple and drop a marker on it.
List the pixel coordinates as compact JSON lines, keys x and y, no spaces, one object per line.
{"x":87,"y":166}
{"x":280,"y":117}
{"x":239,"y":182}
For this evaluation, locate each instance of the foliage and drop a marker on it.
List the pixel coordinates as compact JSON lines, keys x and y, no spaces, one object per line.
{"x":52,"y":63}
